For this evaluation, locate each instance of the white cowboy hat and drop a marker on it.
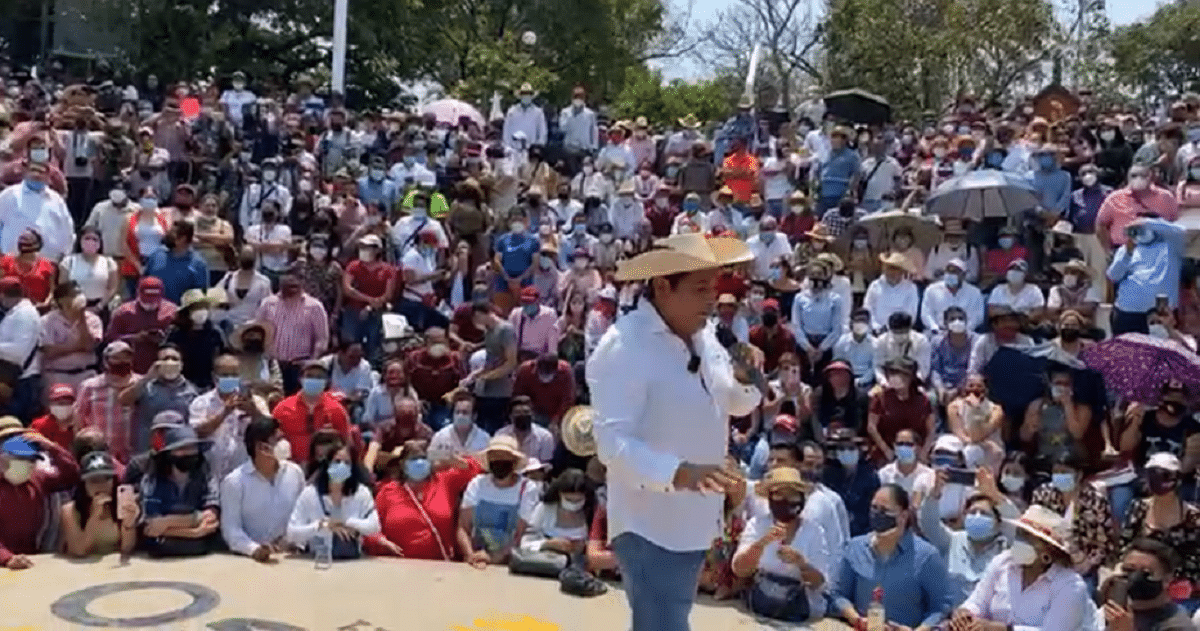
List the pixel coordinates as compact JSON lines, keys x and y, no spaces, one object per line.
{"x":681,"y":254}
{"x":1046,"y":525}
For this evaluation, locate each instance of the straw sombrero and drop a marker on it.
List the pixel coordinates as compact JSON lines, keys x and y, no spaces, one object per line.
{"x":689,"y":122}
{"x":576,"y":431}
{"x":895,"y":259}
{"x":681,"y":254}
{"x":1045,"y":524}
{"x":504,"y":444}
{"x":783,"y":476}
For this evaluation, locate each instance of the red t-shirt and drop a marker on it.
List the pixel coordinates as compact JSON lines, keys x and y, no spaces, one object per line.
{"x":773,"y":347}
{"x":433,"y":377}
{"x":293,"y":417}
{"x":896,"y":414}
{"x":36,"y":280}
{"x":464,"y":324}
{"x":405,"y":525}
{"x":370,"y":279}
{"x":731,"y":283}
{"x":997,"y":261}
{"x":49,"y":427}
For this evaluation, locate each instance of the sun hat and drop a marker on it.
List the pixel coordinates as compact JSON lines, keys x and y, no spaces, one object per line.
{"x":192,"y":297}
{"x":1045,"y":524}
{"x":683,"y":253}
{"x":575,"y":431}
{"x":504,"y":444}
{"x":10,"y":425}
{"x":268,"y":329}
{"x":179,"y":436}
{"x":896,"y":259}
{"x":781,"y":477}
{"x":819,"y":231}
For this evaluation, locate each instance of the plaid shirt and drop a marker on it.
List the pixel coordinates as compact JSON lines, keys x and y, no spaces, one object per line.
{"x":837,"y":224}
{"x":96,"y":406}
{"x":301,"y":327}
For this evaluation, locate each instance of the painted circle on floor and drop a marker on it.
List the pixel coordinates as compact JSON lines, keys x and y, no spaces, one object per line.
{"x":74,"y":606}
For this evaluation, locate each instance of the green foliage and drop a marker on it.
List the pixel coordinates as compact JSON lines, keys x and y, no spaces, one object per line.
{"x":1161,"y":55}
{"x":664,"y":104}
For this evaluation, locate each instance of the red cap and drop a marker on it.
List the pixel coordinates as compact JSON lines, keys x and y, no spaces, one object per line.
{"x":786,"y":422}
{"x":10,"y":283}
{"x":150,"y":285}
{"x":838,"y":365}
{"x":61,"y":391}
{"x":770,"y":304}
{"x":529,"y":295}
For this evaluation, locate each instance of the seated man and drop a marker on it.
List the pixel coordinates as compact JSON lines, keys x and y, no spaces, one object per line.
{"x":257,"y":498}
{"x":24,"y":491}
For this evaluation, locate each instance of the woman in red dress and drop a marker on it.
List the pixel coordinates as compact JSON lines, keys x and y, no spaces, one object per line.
{"x":38,"y":274}
{"x":417,"y":504}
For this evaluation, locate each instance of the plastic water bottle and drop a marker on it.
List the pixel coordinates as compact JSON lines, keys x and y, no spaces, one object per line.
{"x":322,"y":545}
{"x":876,"y":619}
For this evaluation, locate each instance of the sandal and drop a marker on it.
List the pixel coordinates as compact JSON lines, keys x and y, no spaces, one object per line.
{"x":577,"y":582}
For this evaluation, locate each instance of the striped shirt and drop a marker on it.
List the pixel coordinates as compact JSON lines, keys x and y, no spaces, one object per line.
{"x":301,"y":327}
{"x":96,"y":406}
{"x":1121,"y":207}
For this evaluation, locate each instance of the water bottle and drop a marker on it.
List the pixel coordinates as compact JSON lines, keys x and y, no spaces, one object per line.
{"x":322,"y":545}
{"x":876,"y":619}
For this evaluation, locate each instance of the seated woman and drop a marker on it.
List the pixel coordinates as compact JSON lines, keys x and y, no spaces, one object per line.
{"x":416,"y":500}
{"x":978,"y":422}
{"x":788,"y":557}
{"x":1165,"y":517}
{"x":1015,"y":476}
{"x":968,"y":551}
{"x":1073,"y":493}
{"x":1056,"y":423}
{"x":716,"y":576}
{"x":336,"y":500}
{"x":494,"y":505}
{"x":179,"y":498}
{"x":92,"y":523}
{"x":1006,"y":597}
{"x":559,"y":524}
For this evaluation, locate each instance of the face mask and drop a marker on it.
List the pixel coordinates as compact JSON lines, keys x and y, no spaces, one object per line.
{"x":186,"y":463}
{"x":254,"y":346}
{"x":1088,"y":179}
{"x":366,"y":255}
{"x":546,"y":262}
{"x":1142,"y":587}
{"x":228,"y":385}
{"x":957,"y":326}
{"x":1047,"y":163}
{"x":1023,"y":553}
{"x":1015,"y":277}
{"x":526,"y":100}
{"x":35,"y":185}
{"x":282,"y":450}
{"x":607,"y":237}
{"x":1139,"y":183}
{"x":1069,"y":335}
{"x":906,"y":453}
{"x":1159,"y":331}
{"x":463,"y":421}
{"x":1012,"y":483}
{"x":269,"y":176}
{"x":848,"y":457}
{"x":860,"y":328}
{"x":419,"y":211}
{"x":767,"y":236}
{"x":517,"y":227}
{"x":338,"y":472}
{"x":39,"y":155}
{"x":238,"y":85}
{"x":438,"y":350}
{"x":881,"y":521}
{"x":117,"y":197}
{"x":199,"y":317}
{"x":785,"y":511}
{"x":18,"y":472}
{"x":1108,"y":135}
{"x":148,"y":203}
{"x":89,"y":246}
{"x":62,"y":412}
{"x":170,"y":370}
{"x":979,"y":527}
{"x":577,"y":103}
{"x":417,"y":469}
{"x":571,"y":506}
{"x":501,"y":469}
{"x":953,"y":280}
{"x":312,"y":386}
{"x":896,"y":382}
{"x":1064,"y":482}
{"x":318,"y":254}
{"x":1160,"y":482}
{"x":1006,"y":242}
{"x":522,"y":421}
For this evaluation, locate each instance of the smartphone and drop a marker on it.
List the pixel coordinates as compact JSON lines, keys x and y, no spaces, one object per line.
{"x":1161,"y":303}
{"x":965,"y":477}
{"x":126,"y":496}
{"x":1118,"y":591}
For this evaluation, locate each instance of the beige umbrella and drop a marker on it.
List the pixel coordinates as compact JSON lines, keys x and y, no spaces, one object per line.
{"x":880,"y":226}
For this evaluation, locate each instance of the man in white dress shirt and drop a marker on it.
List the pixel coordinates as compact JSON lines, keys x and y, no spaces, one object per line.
{"x":664,"y":389}
{"x":525,"y":117}
{"x":20,"y":328}
{"x":257,"y":498}
{"x":33,"y":204}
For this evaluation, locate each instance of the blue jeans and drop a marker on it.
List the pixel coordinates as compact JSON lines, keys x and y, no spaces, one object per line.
{"x":421,"y":316}
{"x":659,"y":584}
{"x":364,"y":328}
{"x":1120,"y":498}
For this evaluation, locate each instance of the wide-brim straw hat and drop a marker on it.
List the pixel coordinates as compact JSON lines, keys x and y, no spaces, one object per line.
{"x":783,"y":476}
{"x":689,"y":122}
{"x":896,"y":259}
{"x":1046,"y":525}
{"x":504,"y":444}
{"x":576,"y":431}
{"x":235,"y":339}
{"x":820,"y":231}
{"x":683,"y":254}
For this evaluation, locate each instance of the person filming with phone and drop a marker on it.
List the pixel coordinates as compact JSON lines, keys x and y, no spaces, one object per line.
{"x":1138,"y":597}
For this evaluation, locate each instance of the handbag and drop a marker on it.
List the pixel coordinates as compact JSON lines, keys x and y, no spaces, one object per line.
{"x":778,"y":597}
{"x":344,"y":549}
{"x":543,"y":563}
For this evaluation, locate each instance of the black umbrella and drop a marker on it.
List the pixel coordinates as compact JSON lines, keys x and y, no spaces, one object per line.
{"x":859,"y":106}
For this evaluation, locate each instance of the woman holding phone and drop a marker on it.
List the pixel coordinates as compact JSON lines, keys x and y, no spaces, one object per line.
{"x":102,"y":517}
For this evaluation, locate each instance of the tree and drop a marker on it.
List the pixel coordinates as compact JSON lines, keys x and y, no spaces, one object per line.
{"x":664,"y":104}
{"x":1159,"y":57}
{"x":788,"y":32}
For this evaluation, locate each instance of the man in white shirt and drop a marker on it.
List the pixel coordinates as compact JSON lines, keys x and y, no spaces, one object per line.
{"x":882,"y":175}
{"x":408,"y":172}
{"x":32,"y":204}
{"x":462,"y":435}
{"x":953,"y":246}
{"x":111,"y":218}
{"x":82,"y":148}
{"x":222,"y":415}
{"x":902,"y":341}
{"x":257,"y":498}
{"x":258,"y":193}
{"x":663,"y":389}
{"x":768,"y":247}
{"x":1022,"y":297}
{"x":20,"y":329}
{"x":952,"y":290}
{"x":906,"y":471}
{"x":891,"y":293}
{"x":236,"y":99}
{"x":579,"y":129}
{"x":271,"y":241}
{"x":525,"y":117}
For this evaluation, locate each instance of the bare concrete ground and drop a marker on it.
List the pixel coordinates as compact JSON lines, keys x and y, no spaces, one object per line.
{"x":388,"y":594}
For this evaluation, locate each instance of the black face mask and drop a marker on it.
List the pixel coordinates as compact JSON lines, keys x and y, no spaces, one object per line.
{"x":502,"y":468}
{"x":1142,"y":587}
{"x":1069,"y":335}
{"x":770,"y":319}
{"x":882,"y":521}
{"x":254,"y":346}
{"x":247,"y":264}
{"x":187,"y":464}
{"x":522,"y":421}
{"x":336,"y":126}
{"x":785,"y":511}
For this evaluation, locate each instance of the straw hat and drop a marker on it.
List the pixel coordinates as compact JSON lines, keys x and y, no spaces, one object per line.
{"x":193,"y":297}
{"x":683,"y":253}
{"x":507,"y":445}
{"x":576,"y":431}
{"x":1078,"y":266}
{"x":689,"y":122}
{"x":820,"y":231}
{"x":1045,"y":524}
{"x":235,"y":340}
{"x":896,"y":259}
{"x":627,"y":188}
{"x":10,"y":425}
{"x":833,"y":261}
{"x":781,"y":477}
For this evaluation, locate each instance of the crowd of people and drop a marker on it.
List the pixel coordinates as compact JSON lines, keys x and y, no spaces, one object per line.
{"x":276,"y":323}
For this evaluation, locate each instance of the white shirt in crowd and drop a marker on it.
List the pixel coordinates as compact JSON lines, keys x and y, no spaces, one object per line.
{"x":766,"y":252}
{"x":404,"y":232}
{"x":941,"y":255}
{"x":938,"y":298}
{"x":79,"y":144}
{"x":357,"y":512}
{"x":255,"y":510}
{"x":1058,"y":599}
{"x":883,"y":180}
{"x":274,"y":234}
{"x":883,"y":299}
{"x":243,"y":309}
{"x":250,"y":210}
{"x":528,"y":119}
{"x":92,"y":278}
{"x":234,"y":100}
{"x":417,"y":174}
{"x":45,"y":211}
{"x":447,"y":440}
{"x":653,"y":414}
{"x":809,"y":540}
{"x":1028,"y":298}
{"x":421,"y":265}
{"x":823,"y":506}
{"x":579,"y":128}
{"x":920,"y":479}
{"x":228,"y":447}
{"x":916,"y":348}
{"x":525,"y":494}
{"x":1054,"y":297}
{"x":20,"y":330}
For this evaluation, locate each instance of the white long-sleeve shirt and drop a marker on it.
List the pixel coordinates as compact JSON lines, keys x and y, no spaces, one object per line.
{"x":250,"y":209}
{"x":357,"y":512}
{"x":529,"y":119}
{"x":883,"y":299}
{"x":938,"y":298}
{"x":20,"y":330}
{"x":917,"y":348}
{"x":1057,"y":600}
{"x":44,"y":211}
{"x":254,"y":510}
{"x":653,"y":414}
{"x":579,"y":129}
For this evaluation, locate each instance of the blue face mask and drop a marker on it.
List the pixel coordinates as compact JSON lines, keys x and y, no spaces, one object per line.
{"x":36,"y":186}
{"x":312,"y":386}
{"x":691,"y":207}
{"x":848,"y":457}
{"x":1047,"y":163}
{"x":979,"y":527}
{"x":995,"y":159}
{"x":1006,"y":242}
{"x":1193,"y":134}
{"x":228,"y":385}
{"x":463,"y":420}
{"x":579,"y":229}
{"x":1064,"y":482}
{"x":338,"y":472}
{"x":906,"y":453}
{"x":767,"y":236}
{"x":417,"y":469}
{"x":953,"y":281}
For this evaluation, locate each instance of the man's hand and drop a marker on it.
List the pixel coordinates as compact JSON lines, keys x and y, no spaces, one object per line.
{"x":1117,"y":618}
{"x":391,"y":547}
{"x":939,"y":483}
{"x":985,"y":481}
{"x":479,"y":559}
{"x":246,"y":405}
{"x":343,"y":532}
{"x":1134,"y":414}
{"x":776,"y":533}
{"x":702,"y":477}
{"x":262,"y":554}
{"x":19,"y":562}
{"x":962,"y":620}
{"x":788,"y":554}
{"x":155,"y":527}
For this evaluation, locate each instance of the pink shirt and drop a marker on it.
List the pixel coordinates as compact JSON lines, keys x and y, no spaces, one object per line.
{"x":301,"y":327}
{"x":538,"y":334}
{"x":1121,"y":207}
{"x":57,"y":330}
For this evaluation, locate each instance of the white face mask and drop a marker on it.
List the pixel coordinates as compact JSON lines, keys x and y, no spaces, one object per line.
{"x":318,"y":254}
{"x":18,"y":472}
{"x":579,"y":264}
{"x":39,"y":155}
{"x":861,"y":328}
{"x":269,"y":176}
{"x":117,"y":197}
{"x":1108,"y":135}
{"x":939,"y":153}
{"x":957,"y":326}
{"x":1015,"y":276}
{"x":366,"y":254}
{"x":170,"y":370}
{"x":517,"y":227}
{"x":571,"y":506}
{"x":62,"y":412}
{"x":199,"y":317}
{"x":438,"y":350}
{"x":282,"y":450}
{"x":1088,"y":179}
{"x":1070,"y":281}
{"x":1139,"y":183}
{"x":1023,"y":553}
{"x":895,"y":382}
{"x":79,"y":302}
{"x":577,"y":102}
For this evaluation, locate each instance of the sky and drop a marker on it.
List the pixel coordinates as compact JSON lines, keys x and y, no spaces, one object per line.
{"x":703,"y":11}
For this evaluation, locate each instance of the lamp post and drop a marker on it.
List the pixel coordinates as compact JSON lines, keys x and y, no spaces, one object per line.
{"x":340,"y":9}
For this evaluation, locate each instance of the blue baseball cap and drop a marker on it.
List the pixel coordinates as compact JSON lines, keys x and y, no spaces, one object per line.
{"x":20,"y":447}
